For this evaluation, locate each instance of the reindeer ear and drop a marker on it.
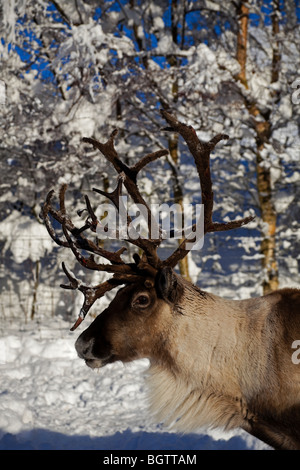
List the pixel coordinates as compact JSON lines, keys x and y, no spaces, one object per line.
{"x":168,"y":286}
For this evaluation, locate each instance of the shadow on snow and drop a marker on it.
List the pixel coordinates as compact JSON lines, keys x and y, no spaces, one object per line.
{"x":42,"y":439}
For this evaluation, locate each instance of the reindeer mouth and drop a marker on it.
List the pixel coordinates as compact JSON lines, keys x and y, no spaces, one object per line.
{"x":94,"y":363}
{"x":99,"y":363}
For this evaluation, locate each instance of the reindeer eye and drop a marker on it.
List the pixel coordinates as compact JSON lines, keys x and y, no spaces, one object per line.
{"x":142,"y":301}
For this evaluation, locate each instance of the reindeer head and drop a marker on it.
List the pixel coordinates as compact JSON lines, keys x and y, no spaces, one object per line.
{"x":134,"y":325}
{"x":145,"y":308}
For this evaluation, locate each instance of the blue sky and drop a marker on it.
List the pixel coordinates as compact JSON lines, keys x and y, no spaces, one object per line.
{"x":29,"y":53}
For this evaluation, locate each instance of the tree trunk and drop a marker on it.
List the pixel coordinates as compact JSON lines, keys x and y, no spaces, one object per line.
{"x":241,"y":53}
{"x":269,"y":217}
{"x":35,"y":288}
{"x":173,"y":139}
{"x":262,"y":128}
{"x":178,"y":199}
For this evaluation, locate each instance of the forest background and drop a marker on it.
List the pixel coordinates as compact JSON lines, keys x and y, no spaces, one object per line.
{"x":80,"y":68}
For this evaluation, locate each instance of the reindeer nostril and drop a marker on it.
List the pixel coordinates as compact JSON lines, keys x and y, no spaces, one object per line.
{"x":84,"y":348}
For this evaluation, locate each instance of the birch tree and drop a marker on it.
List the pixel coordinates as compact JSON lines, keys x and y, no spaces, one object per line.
{"x":82,"y":68}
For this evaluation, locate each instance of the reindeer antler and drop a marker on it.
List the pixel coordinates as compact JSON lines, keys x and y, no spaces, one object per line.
{"x":75,"y":238}
{"x":129,"y":178}
{"x":201,"y":153}
{"x":78,"y":242}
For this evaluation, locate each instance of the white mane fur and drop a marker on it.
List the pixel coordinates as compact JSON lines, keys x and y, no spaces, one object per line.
{"x":186,"y":409}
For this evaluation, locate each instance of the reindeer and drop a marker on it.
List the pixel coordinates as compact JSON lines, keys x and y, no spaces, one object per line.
{"x":213,"y":362}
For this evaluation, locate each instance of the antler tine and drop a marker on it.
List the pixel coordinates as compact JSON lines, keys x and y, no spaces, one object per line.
{"x":46,"y":210}
{"x":128,"y":176}
{"x":114,"y":196}
{"x":80,"y":242}
{"x":90,"y":293}
{"x":151,"y":157}
{"x":93,"y":293}
{"x":94,"y":221}
{"x":90,"y":262}
{"x":201,"y":153}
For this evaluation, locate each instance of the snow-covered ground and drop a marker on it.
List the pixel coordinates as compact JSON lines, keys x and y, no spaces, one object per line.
{"x":49,"y":399}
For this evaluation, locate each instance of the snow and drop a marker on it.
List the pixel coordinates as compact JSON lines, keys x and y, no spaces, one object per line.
{"x":49,"y":399}
{"x":20,"y":234}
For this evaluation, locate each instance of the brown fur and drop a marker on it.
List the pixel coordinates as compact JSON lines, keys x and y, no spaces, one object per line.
{"x":214,"y":362}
